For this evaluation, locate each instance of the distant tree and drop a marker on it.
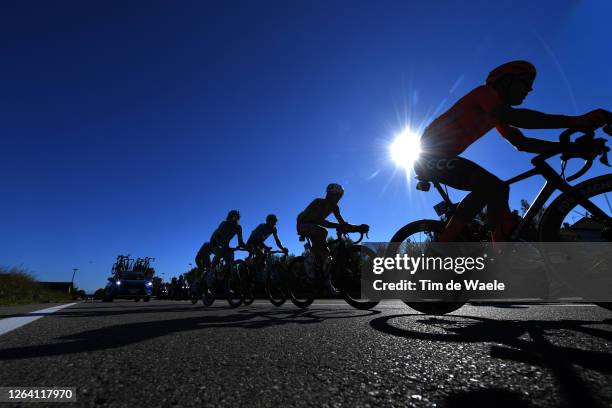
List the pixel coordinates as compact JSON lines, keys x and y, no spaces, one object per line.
{"x":99,"y":293}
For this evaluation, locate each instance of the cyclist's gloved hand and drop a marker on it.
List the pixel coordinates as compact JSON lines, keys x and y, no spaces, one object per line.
{"x":343,"y":228}
{"x":285,"y":250}
{"x":591,"y":120}
{"x":364,"y":228}
{"x":588,"y":148}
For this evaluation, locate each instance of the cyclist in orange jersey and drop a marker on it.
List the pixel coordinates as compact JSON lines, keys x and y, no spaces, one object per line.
{"x":486,"y":107}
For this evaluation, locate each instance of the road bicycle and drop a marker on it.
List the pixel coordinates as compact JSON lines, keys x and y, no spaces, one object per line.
{"x":226,"y":275}
{"x":588,"y":198}
{"x":123,"y":264}
{"x":346,"y":260}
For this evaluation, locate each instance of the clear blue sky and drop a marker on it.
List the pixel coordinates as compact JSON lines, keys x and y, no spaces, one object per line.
{"x":133,"y":127}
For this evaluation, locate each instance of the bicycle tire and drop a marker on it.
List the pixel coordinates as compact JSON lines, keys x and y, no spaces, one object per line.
{"x":275,"y":292}
{"x":435,"y":227}
{"x":208,"y":296}
{"x":301,"y":288}
{"x":552,"y":221}
{"x":232,"y":284}
{"x":247,"y":285}
{"x":350,"y":284}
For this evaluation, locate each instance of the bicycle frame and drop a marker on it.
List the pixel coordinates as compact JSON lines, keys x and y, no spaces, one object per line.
{"x":553,"y":182}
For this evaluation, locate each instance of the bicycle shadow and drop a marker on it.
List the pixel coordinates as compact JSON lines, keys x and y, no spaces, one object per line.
{"x":512,"y":345}
{"x":120,"y":335}
{"x":486,"y":398}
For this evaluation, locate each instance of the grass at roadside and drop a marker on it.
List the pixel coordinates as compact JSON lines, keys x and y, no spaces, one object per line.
{"x":17,"y":286}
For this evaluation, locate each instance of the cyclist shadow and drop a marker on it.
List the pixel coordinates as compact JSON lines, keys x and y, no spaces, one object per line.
{"x":521,"y":341}
{"x":125,"y":334}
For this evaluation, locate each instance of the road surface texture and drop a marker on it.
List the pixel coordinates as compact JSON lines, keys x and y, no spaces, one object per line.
{"x":166,"y":353}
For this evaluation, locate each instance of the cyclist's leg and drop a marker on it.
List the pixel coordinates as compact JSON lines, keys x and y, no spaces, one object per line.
{"x":318,"y":236}
{"x":227,"y":255}
{"x":485,"y":189}
{"x":210,"y":275}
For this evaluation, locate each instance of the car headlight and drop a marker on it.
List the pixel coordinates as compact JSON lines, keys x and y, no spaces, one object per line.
{"x":118,"y":282}
{"x":149,"y":283}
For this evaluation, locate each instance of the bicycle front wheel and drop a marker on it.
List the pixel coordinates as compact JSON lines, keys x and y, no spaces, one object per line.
{"x":301,"y":286}
{"x":416,"y":236}
{"x":568,"y":220}
{"x":349,"y":278}
{"x":248,"y":284}
{"x":274,"y":286}
{"x":233,"y":284}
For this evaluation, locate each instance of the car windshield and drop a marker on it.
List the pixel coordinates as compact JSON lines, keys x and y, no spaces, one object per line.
{"x":133,"y":276}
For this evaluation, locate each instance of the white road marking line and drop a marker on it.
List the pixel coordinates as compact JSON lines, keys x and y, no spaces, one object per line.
{"x":11,"y":323}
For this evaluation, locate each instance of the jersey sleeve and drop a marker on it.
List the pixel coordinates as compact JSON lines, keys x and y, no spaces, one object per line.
{"x":510,"y":133}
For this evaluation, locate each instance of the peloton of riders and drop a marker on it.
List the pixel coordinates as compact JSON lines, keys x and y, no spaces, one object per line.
{"x":312,"y":223}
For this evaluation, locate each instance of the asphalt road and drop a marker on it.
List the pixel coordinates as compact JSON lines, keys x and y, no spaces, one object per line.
{"x":166,"y":353}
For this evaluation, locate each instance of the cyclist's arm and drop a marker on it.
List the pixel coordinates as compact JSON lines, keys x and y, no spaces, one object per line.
{"x":279,"y":244}
{"x":530,"y":119}
{"x":526,"y":144}
{"x":240,"y":240}
{"x":329,"y":224}
{"x":338,"y":216}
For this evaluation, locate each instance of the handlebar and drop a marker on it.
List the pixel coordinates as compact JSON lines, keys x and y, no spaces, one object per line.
{"x":585,"y":146}
{"x":238,"y":249}
{"x":344,"y":234}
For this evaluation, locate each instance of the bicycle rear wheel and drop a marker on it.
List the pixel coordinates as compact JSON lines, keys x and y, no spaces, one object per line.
{"x":416,"y":236}
{"x":301,"y":286}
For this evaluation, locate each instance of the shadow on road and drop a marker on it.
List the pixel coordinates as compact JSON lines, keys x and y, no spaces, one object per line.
{"x":129,"y":333}
{"x":511,"y":334}
{"x":487,"y":398}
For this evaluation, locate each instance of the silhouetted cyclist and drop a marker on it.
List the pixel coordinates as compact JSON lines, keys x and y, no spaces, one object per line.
{"x":260,"y":234}
{"x":312,"y":223}
{"x":484,"y":108}
{"x":221,"y":238}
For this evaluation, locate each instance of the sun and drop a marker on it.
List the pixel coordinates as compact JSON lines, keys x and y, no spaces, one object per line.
{"x":405,"y":149}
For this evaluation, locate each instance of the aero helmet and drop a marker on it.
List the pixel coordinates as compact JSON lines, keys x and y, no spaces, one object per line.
{"x":511,"y":68}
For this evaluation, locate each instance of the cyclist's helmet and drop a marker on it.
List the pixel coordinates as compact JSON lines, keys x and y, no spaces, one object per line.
{"x":511,"y":68}
{"x":233,"y":214}
{"x":271,"y":218}
{"x":335,"y":188}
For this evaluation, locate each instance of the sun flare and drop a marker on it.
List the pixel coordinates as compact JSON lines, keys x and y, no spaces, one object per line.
{"x":405,"y":149}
